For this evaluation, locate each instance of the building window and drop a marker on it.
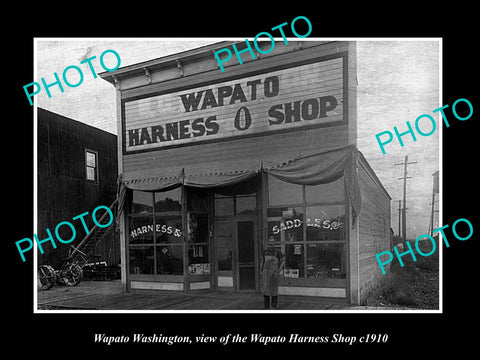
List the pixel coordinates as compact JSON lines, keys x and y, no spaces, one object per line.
{"x":235,"y":204}
{"x":198,"y":232}
{"x":198,"y":249}
{"x":91,"y":165}
{"x":308,"y":225}
{"x":156,"y":243}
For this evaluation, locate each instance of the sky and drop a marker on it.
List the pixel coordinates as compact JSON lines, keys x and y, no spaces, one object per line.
{"x":398,"y":80}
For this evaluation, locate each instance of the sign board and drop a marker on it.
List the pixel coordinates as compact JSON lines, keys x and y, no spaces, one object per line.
{"x":282,"y":100}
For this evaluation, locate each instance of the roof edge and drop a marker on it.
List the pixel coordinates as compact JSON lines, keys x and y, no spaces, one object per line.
{"x":172,"y":59}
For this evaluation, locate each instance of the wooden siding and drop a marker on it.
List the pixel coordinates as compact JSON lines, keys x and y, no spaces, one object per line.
{"x":166,"y":76}
{"x":312,"y":81}
{"x":227,"y":154}
{"x":231,"y":155}
{"x":373,"y":228}
{"x":62,"y":189}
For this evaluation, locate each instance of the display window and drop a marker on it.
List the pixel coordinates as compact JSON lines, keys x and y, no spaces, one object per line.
{"x":141,"y":229}
{"x":294,"y":261}
{"x":168,"y":229}
{"x":141,"y":260}
{"x":198,"y":255}
{"x":325,"y":222}
{"x":198,"y":260}
{"x":169,"y":259}
{"x":326,"y":193}
{"x":326,"y":261}
{"x":168,"y":201}
{"x":155,"y":233}
{"x":142,"y":202}
{"x":308,"y":225}
{"x":283,"y":193}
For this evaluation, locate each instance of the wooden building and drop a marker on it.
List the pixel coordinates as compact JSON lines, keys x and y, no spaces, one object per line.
{"x":214,"y":163}
{"x":76,"y":172}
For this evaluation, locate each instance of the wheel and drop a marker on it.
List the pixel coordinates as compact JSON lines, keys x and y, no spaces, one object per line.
{"x":46,"y":277}
{"x":71,"y":274}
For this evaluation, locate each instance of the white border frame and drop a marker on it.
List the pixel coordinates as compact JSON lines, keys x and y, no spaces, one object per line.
{"x":353,"y":311}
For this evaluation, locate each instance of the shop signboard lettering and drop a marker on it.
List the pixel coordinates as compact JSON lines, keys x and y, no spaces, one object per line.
{"x":333,"y":224}
{"x":146,"y":229}
{"x":291,"y":98}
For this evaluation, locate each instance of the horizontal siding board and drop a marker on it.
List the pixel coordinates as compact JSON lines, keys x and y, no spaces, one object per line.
{"x":236,"y":71}
{"x":294,"y":85}
{"x":277,"y":147}
{"x":374,"y":229}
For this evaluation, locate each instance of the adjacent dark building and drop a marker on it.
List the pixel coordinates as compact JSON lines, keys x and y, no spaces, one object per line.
{"x":76,"y":172}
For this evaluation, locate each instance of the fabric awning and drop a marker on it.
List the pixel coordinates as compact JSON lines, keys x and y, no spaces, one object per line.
{"x":312,"y":169}
{"x":154,"y":180}
{"x":222,"y":173}
{"x":321,"y":168}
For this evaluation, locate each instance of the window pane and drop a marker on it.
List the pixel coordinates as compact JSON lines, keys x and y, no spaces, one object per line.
{"x":168,"y":200}
{"x":326,"y":261}
{"x":168,"y":229}
{"x":325,"y":222}
{"x":276,"y":212}
{"x":223,"y":206}
{"x":170,"y":260}
{"x":91,"y":159}
{"x":331,"y":192}
{"x":273,"y":230}
{"x":90,"y":173}
{"x":142,"y":202}
{"x":197,"y":199}
{"x":288,"y":225}
{"x":246,"y":204}
{"x":198,"y":260}
{"x":245,"y":240}
{"x":224,"y":258}
{"x":291,"y":225}
{"x":141,"y":229}
{"x":197,"y":228}
{"x":294,"y":261}
{"x":282,"y":193}
{"x":141,"y":260}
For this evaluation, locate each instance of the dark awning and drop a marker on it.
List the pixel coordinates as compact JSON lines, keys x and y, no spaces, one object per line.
{"x":154,"y":180}
{"x":323,"y":167}
{"x":222,"y":173}
{"x":312,"y":169}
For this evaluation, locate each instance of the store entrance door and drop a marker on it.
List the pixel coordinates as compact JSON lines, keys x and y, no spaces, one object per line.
{"x":235,"y":245}
{"x":245,"y":231}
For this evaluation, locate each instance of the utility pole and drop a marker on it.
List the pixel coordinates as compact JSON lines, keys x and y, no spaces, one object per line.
{"x":404,"y":212}
{"x":399,"y":216}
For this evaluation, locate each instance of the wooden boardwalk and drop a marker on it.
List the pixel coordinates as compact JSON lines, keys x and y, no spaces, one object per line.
{"x":107,"y":295}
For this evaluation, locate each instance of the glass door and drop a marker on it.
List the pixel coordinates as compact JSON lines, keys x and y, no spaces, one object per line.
{"x":224,"y":246}
{"x":245,"y":239}
{"x":235,"y":254}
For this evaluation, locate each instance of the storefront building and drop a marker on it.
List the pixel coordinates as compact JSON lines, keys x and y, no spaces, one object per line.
{"x":214,"y":163}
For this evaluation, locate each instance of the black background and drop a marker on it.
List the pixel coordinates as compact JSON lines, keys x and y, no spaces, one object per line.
{"x":65,"y":335}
